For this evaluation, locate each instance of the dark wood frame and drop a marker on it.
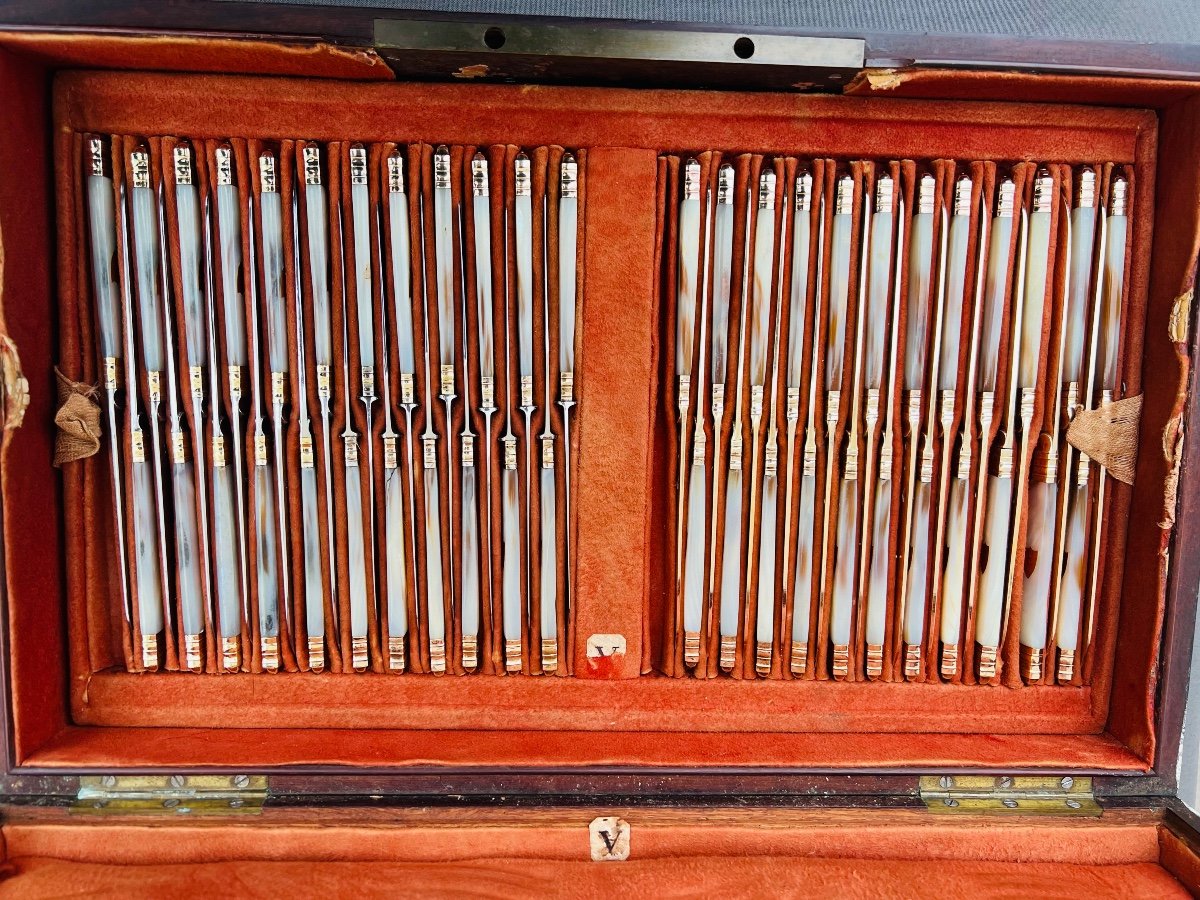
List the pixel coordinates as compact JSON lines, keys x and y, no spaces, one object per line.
{"x":890,"y":788}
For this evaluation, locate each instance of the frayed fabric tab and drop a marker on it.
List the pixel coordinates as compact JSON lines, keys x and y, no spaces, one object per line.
{"x":15,"y":387}
{"x":1109,"y":435}
{"x":78,"y":421}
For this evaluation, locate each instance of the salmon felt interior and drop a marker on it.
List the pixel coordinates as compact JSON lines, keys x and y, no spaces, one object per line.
{"x":113,"y":719}
{"x":49,"y":853}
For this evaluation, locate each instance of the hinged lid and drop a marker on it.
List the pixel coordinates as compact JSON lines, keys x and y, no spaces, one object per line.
{"x":1003,"y":794}
{"x":171,"y":794}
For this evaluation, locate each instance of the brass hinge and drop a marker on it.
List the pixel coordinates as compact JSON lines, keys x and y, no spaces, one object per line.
{"x":170,"y":794}
{"x":1030,"y":795}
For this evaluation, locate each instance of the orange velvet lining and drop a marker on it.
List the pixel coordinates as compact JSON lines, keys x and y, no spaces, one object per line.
{"x":1172,"y":275}
{"x":313,"y":59}
{"x":1042,"y":87}
{"x":1180,"y":858}
{"x":35,"y":878}
{"x":205,"y":105}
{"x":31,"y":487}
{"x":461,"y":834}
{"x":360,"y":748}
{"x":652,"y":703}
{"x":544,"y":853}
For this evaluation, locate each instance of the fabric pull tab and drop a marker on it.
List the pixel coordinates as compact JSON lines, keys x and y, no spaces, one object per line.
{"x":1109,"y":435}
{"x":78,"y":421}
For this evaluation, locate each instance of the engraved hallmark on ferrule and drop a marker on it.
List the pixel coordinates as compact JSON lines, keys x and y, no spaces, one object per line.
{"x":756,"y":401}
{"x":987,"y":409}
{"x":111,"y":378}
{"x":566,"y":387}
{"x":1120,"y":196}
{"x":793,"y":404}
{"x":479,"y":181}
{"x":154,"y":384}
{"x":691,"y":180}
{"x":260,"y":449}
{"x":390,"y":459}
{"x":137,"y":446}
{"x":964,"y":462}
{"x":685,"y":393}
{"x":224,"y":166}
{"x":368,"y":382}
{"x":569,"y":183}
{"x":468,"y":451}
{"x":735,"y":453}
{"x":96,"y":157}
{"x":914,"y":406}
{"x":1004,"y":468}
{"x":809,"y":467}
{"x":235,"y":381}
{"x":395,"y":167}
{"x":771,"y":459}
{"x":947,"y":409}
{"x":218,"y":451}
{"x":266,"y":173}
{"x":766,"y":190}
{"x":962,"y":196}
{"x":429,"y":452}
{"x":1052,"y":466}
{"x":699,"y":448}
{"x":1081,"y":479}
{"x":447,"y":380}
{"x":277,"y":388}
{"x":927,"y":463}
{"x":441,"y":169}
{"x":358,"y":165}
{"x":725,"y":185}
{"x":804,"y":191}
{"x":521,"y":183}
{"x":178,"y":448}
{"x":845,"y":196}
{"x":183,"y":165}
{"x":548,"y":452}
{"x":350,"y":445}
{"x":1006,"y":205}
{"x":139,"y":164}
{"x":872,"y":406}
{"x":1028,"y":399}
{"x":886,"y":458}
{"x":306,"y":451}
{"x":926,"y":194}
{"x":833,"y":407}
{"x":322,"y":380}
{"x":884,"y":188}
{"x":196,"y":380}
{"x":851,"y":472}
{"x":407,"y":392}
{"x":1072,"y":399}
{"x":527,"y":391}
{"x":1043,"y":191}
{"x":510,"y":453}
{"x":487,"y":393}
{"x":312,"y":165}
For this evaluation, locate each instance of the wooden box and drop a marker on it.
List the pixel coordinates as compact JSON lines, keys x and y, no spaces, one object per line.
{"x":803,"y":786}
